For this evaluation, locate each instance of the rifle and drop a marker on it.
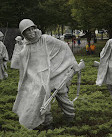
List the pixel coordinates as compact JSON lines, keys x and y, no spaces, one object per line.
{"x":82,"y":66}
{"x":67,"y":78}
{"x":78,"y":86}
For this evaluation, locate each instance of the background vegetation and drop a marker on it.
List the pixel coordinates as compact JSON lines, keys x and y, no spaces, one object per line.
{"x":93,"y":108}
{"x":48,"y":14}
{"x":54,"y":15}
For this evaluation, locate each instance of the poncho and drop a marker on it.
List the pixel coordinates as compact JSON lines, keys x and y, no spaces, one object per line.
{"x":3,"y":60}
{"x":104,"y":69}
{"x":42,"y":65}
{"x":17,"y":50}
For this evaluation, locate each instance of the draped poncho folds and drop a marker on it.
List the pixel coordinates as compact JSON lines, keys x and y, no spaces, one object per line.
{"x":43,"y":65}
{"x":17,"y":49}
{"x":104,"y":75}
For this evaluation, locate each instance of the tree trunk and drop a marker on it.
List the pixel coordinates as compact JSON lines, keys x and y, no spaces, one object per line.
{"x":110,"y":33}
{"x":51,"y":32}
{"x":89,"y":37}
{"x":59,"y":31}
{"x":102,"y":36}
{"x":72,"y":41}
{"x":94,"y":37}
{"x":62,"y":28}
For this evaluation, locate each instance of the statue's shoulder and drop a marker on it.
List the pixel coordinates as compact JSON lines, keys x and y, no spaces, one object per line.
{"x":1,"y":44}
{"x":110,"y":41}
{"x":47,"y":37}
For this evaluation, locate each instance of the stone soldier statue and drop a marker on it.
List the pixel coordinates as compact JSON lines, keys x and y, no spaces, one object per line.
{"x":43,"y":62}
{"x":18,"y":47}
{"x":104,"y":75}
{"x":3,"y":58}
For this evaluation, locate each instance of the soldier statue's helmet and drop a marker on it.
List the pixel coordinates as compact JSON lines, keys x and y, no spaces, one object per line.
{"x":1,"y":34}
{"x":25,"y":24}
{"x":18,"y":38}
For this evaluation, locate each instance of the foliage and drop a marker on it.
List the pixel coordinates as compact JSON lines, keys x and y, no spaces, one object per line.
{"x":93,"y":108}
{"x":92,"y":14}
{"x":45,"y":13}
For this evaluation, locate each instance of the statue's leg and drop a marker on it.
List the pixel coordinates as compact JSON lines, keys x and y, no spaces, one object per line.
{"x":66,"y":105}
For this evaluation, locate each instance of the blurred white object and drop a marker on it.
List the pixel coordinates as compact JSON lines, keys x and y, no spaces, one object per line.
{"x":18,"y":38}
{"x":96,"y":63}
{"x":81,"y":64}
{"x":62,"y":37}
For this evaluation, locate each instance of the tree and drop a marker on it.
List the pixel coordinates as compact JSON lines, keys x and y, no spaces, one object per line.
{"x":45,"y":13}
{"x":93,"y":14}
{"x":56,"y":12}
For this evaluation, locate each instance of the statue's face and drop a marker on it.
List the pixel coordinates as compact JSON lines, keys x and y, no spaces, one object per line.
{"x":1,"y":38}
{"x":30,"y":33}
{"x":19,"y":42}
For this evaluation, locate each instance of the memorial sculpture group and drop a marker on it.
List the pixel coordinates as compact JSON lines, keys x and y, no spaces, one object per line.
{"x":46,"y":66}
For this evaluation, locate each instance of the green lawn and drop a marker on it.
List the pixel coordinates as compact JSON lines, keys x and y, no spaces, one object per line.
{"x":93,"y":108}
